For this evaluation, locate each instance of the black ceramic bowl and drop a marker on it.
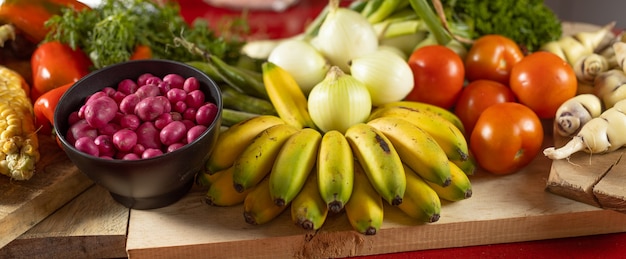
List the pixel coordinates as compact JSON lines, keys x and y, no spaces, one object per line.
{"x":145,"y":183}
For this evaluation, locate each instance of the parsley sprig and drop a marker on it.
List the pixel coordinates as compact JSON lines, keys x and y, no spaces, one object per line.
{"x":110,"y":32}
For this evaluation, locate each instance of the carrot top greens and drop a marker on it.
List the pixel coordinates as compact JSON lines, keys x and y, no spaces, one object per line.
{"x":110,"y":32}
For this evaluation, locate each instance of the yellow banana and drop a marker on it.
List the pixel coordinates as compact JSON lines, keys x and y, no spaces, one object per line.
{"x":420,"y":201}
{"x":222,"y":193}
{"x":231,"y":142}
{"x":416,"y":148}
{"x":365,"y":207}
{"x":448,"y":136}
{"x":286,"y":96}
{"x":204,"y":179}
{"x":460,"y":187}
{"x":256,"y":161}
{"x":259,"y":207}
{"x":445,"y":113}
{"x":335,"y":170}
{"x":292,"y":166}
{"x":380,"y":160}
{"x":308,"y":210}
{"x":468,"y":166}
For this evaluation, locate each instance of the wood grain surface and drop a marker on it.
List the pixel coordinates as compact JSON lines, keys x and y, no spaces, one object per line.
{"x":23,"y":204}
{"x":502,"y":209}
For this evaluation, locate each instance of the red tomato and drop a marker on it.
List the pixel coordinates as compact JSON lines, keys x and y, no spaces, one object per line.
{"x":476,"y":97}
{"x":543,"y":81}
{"x":506,"y":138}
{"x":438,"y":73}
{"x":492,"y":57}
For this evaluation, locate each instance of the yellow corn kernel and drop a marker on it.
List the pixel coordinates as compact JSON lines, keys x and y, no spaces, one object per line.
{"x":19,"y":146}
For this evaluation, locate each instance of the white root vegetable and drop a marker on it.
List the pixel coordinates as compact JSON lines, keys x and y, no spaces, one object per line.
{"x":609,"y":87}
{"x":576,"y":112}
{"x":588,"y":67}
{"x":572,"y":48}
{"x":600,"y":135}
{"x":619,"y":49}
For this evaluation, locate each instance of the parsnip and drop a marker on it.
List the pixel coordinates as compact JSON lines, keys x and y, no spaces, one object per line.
{"x":620,"y":54}
{"x":609,"y":87}
{"x":576,"y":112}
{"x":600,"y":135}
{"x":573,"y":47}
{"x":589,"y":66}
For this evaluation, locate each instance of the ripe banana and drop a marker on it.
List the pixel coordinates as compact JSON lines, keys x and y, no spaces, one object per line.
{"x":231,"y":142}
{"x":365,"y":207}
{"x":293,"y":164}
{"x":468,"y":166}
{"x":420,"y":201}
{"x":286,"y":96}
{"x":259,"y":207}
{"x":204,"y":179}
{"x":308,"y":210}
{"x":445,"y":113}
{"x":448,"y":136}
{"x":460,"y":187}
{"x":380,"y":161}
{"x":222,"y":193}
{"x":335,"y":170}
{"x":416,"y":148}
{"x":256,"y":161}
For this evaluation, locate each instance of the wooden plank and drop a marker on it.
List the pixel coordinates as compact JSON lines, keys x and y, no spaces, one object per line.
{"x":92,"y":225}
{"x":502,"y":209}
{"x":23,"y":204}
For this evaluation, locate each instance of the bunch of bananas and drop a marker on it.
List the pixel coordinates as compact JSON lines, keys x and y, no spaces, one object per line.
{"x":407,"y":154}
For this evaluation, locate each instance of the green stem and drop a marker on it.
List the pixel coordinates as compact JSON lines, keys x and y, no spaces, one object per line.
{"x":424,"y":11}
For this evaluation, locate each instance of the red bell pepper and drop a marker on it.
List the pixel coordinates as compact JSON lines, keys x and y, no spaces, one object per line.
{"x":55,"y":64}
{"x":44,"y":106}
{"x":29,"y":16}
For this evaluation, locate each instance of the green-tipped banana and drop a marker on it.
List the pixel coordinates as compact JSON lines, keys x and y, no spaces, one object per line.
{"x":460,"y":187}
{"x":222,"y":193}
{"x":444,"y":113}
{"x":256,"y":161}
{"x":416,"y":148}
{"x":365,"y":207}
{"x":335,"y":170}
{"x":308,"y":210}
{"x":380,"y":161}
{"x":292,"y":166}
{"x":447,"y":135}
{"x":204,"y":179}
{"x":286,"y":96}
{"x":420,"y":201}
{"x":468,"y":166}
{"x":259,"y":207}
{"x":231,"y":142}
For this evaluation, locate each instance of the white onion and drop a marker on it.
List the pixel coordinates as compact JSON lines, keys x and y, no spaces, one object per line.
{"x":298,"y":57}
{"x":344,"y":35}
{"x":386,"y":75}
{"x":339,"y":101}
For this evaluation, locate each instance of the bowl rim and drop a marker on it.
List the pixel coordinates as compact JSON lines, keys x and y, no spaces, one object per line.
{"x":214,"y":124}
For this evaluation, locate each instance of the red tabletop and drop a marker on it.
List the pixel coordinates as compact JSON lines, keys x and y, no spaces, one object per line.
{"x":269,"y":24}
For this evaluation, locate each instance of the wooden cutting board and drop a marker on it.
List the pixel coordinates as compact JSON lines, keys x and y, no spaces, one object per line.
{"x":25,"y":203}
{"x":598,"y":180}
{"x":502,"y":209}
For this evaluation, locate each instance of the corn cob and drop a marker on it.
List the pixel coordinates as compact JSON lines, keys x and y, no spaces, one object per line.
{"x":19,"y":146}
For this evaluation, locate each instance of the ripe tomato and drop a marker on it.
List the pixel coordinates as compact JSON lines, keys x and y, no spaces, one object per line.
{"x":506,"y":138}
{"x":543,"y":81}
{"x":476,"y":97}
{"x":492,"y":57}
{"x":438,"y":73}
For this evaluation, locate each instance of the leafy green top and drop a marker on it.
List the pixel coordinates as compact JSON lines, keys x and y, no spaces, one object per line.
{"x":530,"y":23}
{"x":110,"y":32}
